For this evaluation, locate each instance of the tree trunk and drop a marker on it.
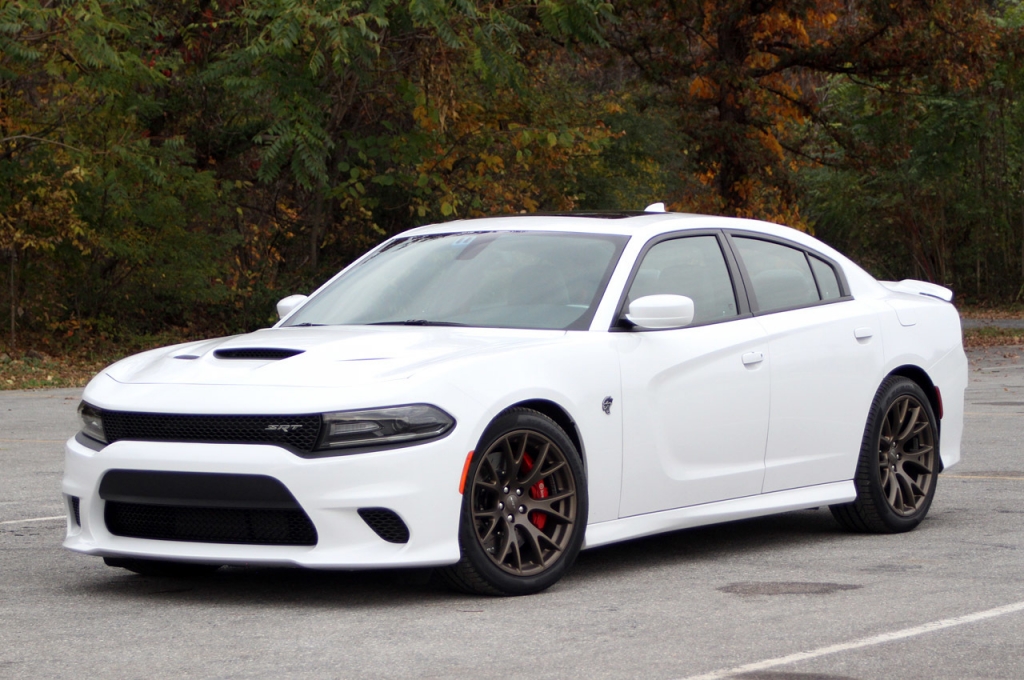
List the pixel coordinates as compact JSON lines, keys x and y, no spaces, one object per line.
{"x":733,"y":49}
{"x":14,"y":299}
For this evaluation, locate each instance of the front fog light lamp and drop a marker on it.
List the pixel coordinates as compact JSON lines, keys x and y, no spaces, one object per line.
{"x":92,"y":422}
{"x":383,"y":426}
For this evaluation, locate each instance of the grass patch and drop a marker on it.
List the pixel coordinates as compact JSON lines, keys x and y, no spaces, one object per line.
{"x":1014,"y":311}
{"x":74,"y":366}
{"x":993,"y":337}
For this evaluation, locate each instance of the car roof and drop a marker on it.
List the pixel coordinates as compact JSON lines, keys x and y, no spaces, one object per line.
{"x":626,"y":223}
{"x":638,"y":224}
{"x":643,"y":226}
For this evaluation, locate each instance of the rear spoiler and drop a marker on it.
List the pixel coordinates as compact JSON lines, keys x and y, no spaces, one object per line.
{"x":915,"y":287}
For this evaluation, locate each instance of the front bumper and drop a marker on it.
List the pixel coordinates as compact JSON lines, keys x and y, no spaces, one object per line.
{"x":419,"y":483}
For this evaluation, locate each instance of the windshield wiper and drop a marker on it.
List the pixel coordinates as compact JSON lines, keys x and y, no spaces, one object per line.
{"x":305,"y":324}
{"x":416,"y":322}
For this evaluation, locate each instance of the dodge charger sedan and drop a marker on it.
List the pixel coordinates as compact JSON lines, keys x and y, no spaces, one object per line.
{"x":491,"y":396}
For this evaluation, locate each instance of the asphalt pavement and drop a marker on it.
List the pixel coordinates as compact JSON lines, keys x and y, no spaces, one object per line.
{"x":783,"y":598}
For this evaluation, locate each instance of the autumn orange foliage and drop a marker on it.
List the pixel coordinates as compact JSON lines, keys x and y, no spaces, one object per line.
{"x":748,"y":79}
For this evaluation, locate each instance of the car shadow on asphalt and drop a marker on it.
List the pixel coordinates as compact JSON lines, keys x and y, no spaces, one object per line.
{"x":712,"y":543}
{"x":398,"y":587}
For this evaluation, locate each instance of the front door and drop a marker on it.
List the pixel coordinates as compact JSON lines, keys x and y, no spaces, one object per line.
{"x":695,"y":399}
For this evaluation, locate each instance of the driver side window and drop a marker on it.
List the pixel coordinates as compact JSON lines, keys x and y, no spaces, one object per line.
{"x":692,"y":266}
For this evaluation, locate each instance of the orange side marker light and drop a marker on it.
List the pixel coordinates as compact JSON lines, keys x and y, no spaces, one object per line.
{"x":465,"y":472}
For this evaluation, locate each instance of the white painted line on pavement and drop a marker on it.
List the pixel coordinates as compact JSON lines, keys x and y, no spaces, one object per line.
{"x":34,"y":441}
{"x":34,"y":519}
{"x":1016,"y":479}
{"x":865,"y":642}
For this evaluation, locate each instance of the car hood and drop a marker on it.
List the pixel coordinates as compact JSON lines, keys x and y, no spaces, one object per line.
{"x":337,"y":356}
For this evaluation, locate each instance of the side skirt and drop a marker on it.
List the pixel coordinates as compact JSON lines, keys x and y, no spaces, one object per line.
{"x":603,"y":533}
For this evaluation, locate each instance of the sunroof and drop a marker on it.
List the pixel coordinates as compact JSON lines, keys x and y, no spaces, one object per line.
{"x":600,"y":214}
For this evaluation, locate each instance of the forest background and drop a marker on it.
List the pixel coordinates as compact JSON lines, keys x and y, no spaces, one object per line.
{"x":171,"y":168}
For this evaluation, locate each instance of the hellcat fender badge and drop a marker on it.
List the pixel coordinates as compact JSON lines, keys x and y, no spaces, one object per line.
{"x":606,"y":405}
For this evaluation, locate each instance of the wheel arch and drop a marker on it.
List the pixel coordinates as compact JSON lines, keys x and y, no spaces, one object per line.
{"x":561,"y":417}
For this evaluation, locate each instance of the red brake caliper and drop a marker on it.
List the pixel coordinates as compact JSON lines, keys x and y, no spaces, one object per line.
{"x":537,"y":492}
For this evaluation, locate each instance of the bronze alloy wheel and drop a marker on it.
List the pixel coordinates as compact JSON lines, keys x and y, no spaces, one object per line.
{"x":524,"y":508}
{"x":906,"y":455}
{"x":899,"y":461}
{"x":523,"y":500}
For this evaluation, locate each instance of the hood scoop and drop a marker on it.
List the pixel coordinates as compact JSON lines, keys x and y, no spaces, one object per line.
{"x":257,"y":353}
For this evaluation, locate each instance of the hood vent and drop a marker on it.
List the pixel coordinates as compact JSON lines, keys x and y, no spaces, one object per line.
{"x":262,"y":353}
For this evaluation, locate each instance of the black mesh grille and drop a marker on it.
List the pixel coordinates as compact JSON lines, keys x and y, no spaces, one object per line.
{"x":77,"y":510}
{"x":256,"y":526}
{"x":386,"y":524}
{"x":297,"y":432}
{"x":271,"y":353}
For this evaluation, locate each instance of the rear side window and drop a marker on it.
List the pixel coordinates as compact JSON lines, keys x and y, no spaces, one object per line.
{"x":692,"y":266}
{"x":828,"y":283}
{"x":780,"y":275}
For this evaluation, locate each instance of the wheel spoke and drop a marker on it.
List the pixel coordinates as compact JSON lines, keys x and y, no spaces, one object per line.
{"x":556,"y":516}
{"x":522,"y":452}
{"x":919,"y":453}
{"x":923,"y":469}
{"x":534,"y":537}
{"x":555,"y":498}
{"x":901,"y":412}
{"x":495,"y":477}
{"x":506,"y":542}
{"x":515,"y":550}
{"x":910,"y":428}
{"x":906,"y":493}
{"x":886,"y":429}
{"x":494,"y":521}
{"x":894,"y":493}
{"x":510,"y":462}
{"x":531,"y":540}
{"x":535,"y":472}
{"x":546,"y":506}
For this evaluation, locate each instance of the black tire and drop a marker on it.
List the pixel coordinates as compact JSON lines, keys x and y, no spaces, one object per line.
{"x":899,"y":462}
{"x":547,"y":505}
{"x":161,"y":568}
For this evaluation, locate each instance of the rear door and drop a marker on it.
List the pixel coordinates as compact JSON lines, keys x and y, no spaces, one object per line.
{"x":827,"y":358}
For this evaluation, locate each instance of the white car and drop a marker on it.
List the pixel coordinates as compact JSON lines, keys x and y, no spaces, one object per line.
{"x":491,"y":396}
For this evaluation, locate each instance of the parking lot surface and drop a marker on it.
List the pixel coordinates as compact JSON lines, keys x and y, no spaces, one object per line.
{"x":785,"y":597}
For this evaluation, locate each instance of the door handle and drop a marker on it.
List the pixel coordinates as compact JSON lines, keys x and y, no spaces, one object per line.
{"x":751,"y":358}
{"x":863,"y":333}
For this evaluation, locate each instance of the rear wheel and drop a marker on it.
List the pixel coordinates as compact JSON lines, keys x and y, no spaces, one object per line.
{"x":898,"y":467}
{"x":524,"y":510}
{"x":161,"y":568}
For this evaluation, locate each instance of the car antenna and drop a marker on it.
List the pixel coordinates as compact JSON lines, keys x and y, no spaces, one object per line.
{"x":655,"y":208}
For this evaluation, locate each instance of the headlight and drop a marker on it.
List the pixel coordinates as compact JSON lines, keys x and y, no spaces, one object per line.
{"x":382,"y":426}
{"x":92,"y":422}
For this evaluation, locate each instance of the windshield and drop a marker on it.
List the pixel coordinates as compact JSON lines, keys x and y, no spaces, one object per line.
{"x":536,"y":280}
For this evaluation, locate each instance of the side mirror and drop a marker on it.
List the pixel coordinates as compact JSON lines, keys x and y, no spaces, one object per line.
{"x":661,"y":311}
{"x":285,"y":306}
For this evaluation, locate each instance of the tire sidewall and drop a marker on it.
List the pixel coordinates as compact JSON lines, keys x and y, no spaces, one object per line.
{"x":510,"y":421}
{"x":890,"y":391}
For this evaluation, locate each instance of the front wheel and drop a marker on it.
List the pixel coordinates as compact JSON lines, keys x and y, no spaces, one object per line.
{"x":898,"y":466}
{"x":524,"y":510}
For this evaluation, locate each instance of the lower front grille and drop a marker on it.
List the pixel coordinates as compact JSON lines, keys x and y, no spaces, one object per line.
{"x":249,"y":526}
{"x":76,"y":508}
